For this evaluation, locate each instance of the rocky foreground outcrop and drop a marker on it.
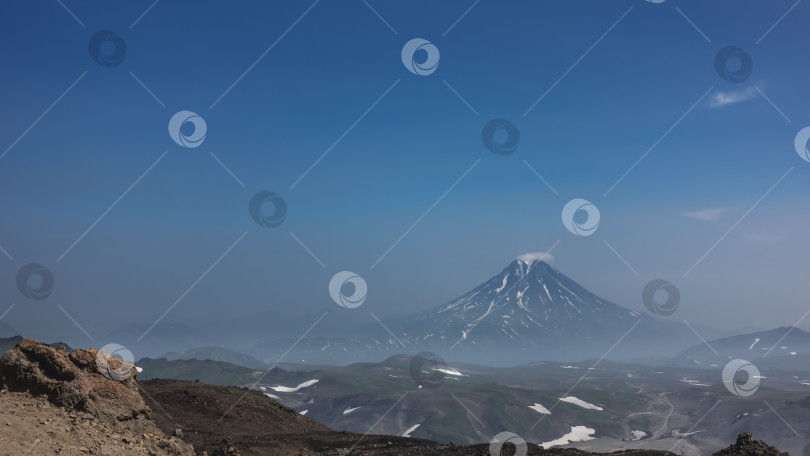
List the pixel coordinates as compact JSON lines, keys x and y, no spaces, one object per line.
{"x":99,"y":409}
{"x":747,"y":446}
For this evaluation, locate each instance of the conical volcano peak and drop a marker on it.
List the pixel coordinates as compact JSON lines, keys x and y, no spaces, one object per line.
{"x":529,"y":302}
{"x":532,"y":264}
{"x":535,"y":257}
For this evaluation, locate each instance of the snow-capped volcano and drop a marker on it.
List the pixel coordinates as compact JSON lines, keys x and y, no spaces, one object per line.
{"x":529,"y":302}
{"x":528,"y":311}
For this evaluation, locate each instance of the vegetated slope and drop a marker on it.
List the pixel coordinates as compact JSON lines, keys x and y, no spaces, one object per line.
{"x":217,"y":354}
{"x":257,"y":425}
{"x":206,"y":371}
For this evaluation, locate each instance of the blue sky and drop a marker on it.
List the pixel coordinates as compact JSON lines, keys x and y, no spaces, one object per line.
{"x":323,"y":73}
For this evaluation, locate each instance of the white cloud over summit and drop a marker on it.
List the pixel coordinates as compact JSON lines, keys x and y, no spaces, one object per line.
{"x":536,"y":256}
{"x":718,"y":99}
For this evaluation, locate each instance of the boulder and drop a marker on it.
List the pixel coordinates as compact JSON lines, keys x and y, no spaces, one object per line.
{"x":74,"y":380}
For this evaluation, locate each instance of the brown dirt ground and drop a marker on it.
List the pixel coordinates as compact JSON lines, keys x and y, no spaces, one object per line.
{"x":33,"y":426}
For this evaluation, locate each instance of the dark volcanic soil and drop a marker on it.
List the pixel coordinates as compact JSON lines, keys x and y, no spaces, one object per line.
{"x":258,"y":425}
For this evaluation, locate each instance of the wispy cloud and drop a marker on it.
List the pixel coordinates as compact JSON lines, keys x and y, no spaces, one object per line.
{"x":709,"y":215}
{"x":536,"y":256}
{"x":718,"y":99}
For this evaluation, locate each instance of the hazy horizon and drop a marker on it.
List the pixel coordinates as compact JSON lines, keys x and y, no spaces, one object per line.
{"x":384,"y":172}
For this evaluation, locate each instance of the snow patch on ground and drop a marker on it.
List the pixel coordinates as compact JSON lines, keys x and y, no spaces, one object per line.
{"x":540,"y":409}
{"x":449,"y":371}
{"x":410,"y":429}
{"x":577,"y":434}
{"x":580,"y":402}
{"x":287,"y":389}
{"x":678,"y":434}
{"x":694,"y":382}
{"x":350,"y":410}
{"x":638,"y":435}
{"x":273,"y":396}
{"x":503,"y":285}
{"x":303,"y":412}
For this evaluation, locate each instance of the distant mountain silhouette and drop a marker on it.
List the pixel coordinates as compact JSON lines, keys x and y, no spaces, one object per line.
{"x":785,"y":341}
{"x":529,"y":311}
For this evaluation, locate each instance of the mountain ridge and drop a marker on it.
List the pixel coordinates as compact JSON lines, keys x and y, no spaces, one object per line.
{"x":528,"y":311}
{"x":533,"y":294}
{"x":778,"y":343}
